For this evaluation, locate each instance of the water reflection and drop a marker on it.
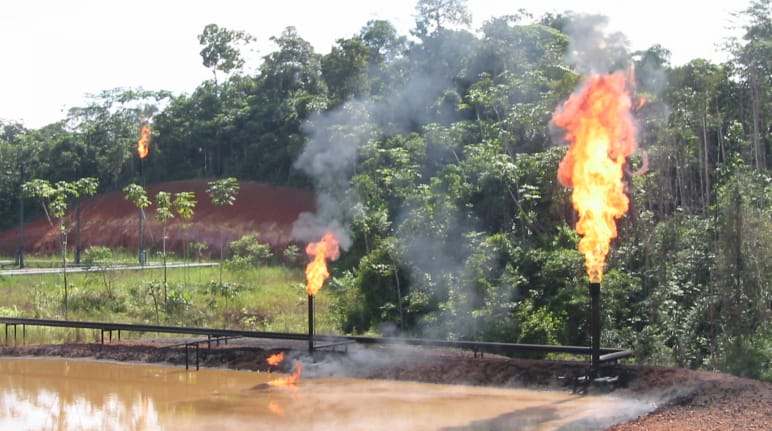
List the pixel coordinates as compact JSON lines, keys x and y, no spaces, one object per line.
{"x":46,"y":410}
{"x":46,"y":394}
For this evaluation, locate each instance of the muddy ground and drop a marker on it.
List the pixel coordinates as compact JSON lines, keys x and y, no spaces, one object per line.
{"x":688,"y":400}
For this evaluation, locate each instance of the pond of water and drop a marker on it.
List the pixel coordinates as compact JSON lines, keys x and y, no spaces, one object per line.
{"x":57,"y":394}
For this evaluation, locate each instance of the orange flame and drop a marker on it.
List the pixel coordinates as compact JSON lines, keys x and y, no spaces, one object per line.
{"x":143,"y":145}
{"x":316,"y":270}
{"x":275,"y":359}
{"x":641,"y":103}
{"x":290,"y":380}
{"x":275,"y":408}
{"x":601,"y":132}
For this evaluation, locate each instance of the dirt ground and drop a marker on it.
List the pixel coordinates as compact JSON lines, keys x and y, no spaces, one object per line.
{"x":688,"y":400}
{"x":110,"y":220}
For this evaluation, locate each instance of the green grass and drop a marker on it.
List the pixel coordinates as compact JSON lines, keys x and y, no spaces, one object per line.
{"x":268,"y":298}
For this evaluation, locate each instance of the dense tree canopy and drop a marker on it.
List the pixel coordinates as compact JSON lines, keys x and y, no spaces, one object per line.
{"x":441,"y":152}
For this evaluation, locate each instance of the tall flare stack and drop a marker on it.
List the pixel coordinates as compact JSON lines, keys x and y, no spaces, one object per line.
{"x":601,"y":132}
{"x":143,"y":149}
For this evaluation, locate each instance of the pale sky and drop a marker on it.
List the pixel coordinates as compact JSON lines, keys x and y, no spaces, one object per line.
{"x":57,"y":51}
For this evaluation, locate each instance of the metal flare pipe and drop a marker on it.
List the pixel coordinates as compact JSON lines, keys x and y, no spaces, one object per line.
{"x":595,"y":322}
{"x":310,"y":323}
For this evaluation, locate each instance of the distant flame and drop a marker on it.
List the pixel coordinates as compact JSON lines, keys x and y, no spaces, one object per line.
{"x":316,"y":270}
{"x":143,"y":145}
{"x":601,"y":132}
{"x":290,"y":380}
{"x":275,"y":359}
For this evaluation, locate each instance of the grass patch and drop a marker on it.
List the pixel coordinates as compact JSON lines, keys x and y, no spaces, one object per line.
{"x":267,"y":298}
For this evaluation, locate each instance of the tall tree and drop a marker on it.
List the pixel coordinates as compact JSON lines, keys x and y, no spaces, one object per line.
{"x":432,"y":15}
{"x":223,"y":192}
{"x":345,"y":70}
{"x":221,"y":48}
{"x":56,"y":200}
{"x":387,"y":53}
{"x":290,"y":89}
{"x":137,"y":195}
{"x":183,"y":204}
{"x":754,"y":56}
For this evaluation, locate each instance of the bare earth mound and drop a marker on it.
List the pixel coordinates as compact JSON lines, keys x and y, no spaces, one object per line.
{"x":112,"y":221}
{"x":689,"y":400}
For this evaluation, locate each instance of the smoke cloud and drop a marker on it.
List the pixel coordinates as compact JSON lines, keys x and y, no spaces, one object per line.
{"x":330,"y":159}
{"x":592,"y":48}
{"x":433,"y":245}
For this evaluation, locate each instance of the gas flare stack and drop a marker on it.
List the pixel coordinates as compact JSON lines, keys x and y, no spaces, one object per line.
{"x":143,"y":149}
{"x":316,"y":273}
{"x":310,"y":323}
{"x":601,"y":133}
{"x":595,"y":327}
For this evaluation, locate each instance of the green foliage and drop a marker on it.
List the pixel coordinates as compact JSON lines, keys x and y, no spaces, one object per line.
{"x":223,"y":192}
{"x":137,"y":297}
{"x":220,"y":50}
{"x":749,"y":355}
{"x":248,"y":251}
{"x":291,"y":253}
{"x":98,"y":256}
{"x":101,"y":258}
{"x":184,"y":204}
{"x":137,"y":195}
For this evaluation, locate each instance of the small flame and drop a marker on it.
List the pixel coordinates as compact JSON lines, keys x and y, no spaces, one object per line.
{"x":275,"y":408}
{"x":316,"y":270}
{"x":641,"y":103}
{"x":601,"y":132}
{"x":290,"y":380}
{"x":143,"y":145}
{"x":275,"y":359}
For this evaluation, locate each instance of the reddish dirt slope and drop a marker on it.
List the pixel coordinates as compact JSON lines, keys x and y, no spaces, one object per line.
{"x":112,"y":221}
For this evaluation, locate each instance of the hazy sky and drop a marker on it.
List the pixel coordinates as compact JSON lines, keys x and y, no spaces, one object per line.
{"x":57,"y":51}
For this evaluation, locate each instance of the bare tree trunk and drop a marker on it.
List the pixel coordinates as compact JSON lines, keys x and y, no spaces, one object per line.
{"x":77,"y":232}
{"x":399,"y":299}
{"x":163,"y":247}
{"x":759,"y":150}
{"x":705,"y":161}
{"x":63,"y":242}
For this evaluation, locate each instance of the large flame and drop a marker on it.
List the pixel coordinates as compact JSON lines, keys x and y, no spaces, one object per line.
{"x":601,"y":131}
{"x":143,"y":145}
{"x":316,"y":270}
{"x":291,"y":379}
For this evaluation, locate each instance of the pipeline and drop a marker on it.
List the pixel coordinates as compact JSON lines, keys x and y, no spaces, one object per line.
{"x":606,"y":353}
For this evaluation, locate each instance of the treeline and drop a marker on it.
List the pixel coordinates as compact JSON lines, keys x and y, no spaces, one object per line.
{"x":437,"y":156}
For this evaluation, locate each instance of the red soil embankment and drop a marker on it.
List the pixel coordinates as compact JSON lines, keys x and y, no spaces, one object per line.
{"x":110,"y":220}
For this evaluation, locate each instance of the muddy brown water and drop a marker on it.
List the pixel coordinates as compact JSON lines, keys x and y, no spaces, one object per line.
{"x":58,"y":394}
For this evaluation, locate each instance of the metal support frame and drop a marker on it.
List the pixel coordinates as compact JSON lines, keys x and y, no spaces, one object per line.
{"x":479,"y":346}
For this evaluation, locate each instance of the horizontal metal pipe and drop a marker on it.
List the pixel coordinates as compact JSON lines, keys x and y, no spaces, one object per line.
{"x":479,"y":346}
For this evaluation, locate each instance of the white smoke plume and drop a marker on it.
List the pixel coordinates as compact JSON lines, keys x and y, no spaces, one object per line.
{"x":592,"y":47}
{"x":329,"y":158}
